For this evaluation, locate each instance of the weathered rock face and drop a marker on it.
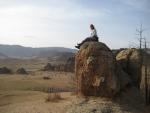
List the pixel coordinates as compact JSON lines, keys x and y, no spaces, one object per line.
{"x":96,"y":70}
{"x":131,"y":62}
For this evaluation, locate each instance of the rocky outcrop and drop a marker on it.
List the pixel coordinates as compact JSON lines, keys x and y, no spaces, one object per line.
{"x":131,"y":62}
{"x":70,"y":64}
{"x":100,"y":73}
{"x":5,"y":70}
{"x":21,"y":71}
{"x":96,"y":70}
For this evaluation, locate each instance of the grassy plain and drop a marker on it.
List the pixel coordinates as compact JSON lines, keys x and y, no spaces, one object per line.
{"x":27,"y":93}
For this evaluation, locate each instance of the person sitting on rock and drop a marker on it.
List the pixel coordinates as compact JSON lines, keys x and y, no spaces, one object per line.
{"x":93,"y":37}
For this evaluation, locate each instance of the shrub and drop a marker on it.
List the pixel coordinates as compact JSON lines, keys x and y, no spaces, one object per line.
{"x":48,"y":67}
{"x":53,"y":97}
{"x":21,"y":71}
{"x":5,"y":70}
{"x":46,"y":78}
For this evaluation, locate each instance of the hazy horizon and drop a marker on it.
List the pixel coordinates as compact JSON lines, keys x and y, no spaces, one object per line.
{"x":55,"y":23}
{"x":36,"y":47}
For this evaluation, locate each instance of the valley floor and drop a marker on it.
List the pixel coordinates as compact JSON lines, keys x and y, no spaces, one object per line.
{"x":27,"y":94}
{"x":32,"y":102}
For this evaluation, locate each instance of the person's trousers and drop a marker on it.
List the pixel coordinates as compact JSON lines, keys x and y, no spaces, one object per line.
{"x":90,"y":39}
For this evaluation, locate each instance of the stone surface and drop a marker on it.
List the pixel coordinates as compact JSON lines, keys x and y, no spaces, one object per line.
{"x":131,"y":62}
{"x":96,"y":70}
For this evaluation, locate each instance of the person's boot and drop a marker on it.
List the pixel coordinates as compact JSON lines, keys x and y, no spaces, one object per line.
{"x":78,"y":47}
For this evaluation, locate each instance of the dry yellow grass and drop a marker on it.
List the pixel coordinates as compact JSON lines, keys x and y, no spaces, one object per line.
{"x":31,"y":82}
{"x":33,"y":102}
{"x":53,"y":97}
{"x":29,"y":64}
{"x":25,"y":94}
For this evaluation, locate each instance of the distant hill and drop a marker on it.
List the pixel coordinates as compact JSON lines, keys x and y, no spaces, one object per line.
{"x":46,"y":54}
{"x":17,"y":51}
{"x":2,"y":56}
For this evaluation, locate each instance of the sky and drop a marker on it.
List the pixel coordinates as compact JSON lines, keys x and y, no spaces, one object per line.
{"x":64,"y":23}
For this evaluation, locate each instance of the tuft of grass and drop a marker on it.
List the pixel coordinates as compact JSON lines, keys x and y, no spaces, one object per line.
{"x":46,"y":78}
{"x":53,"y":97}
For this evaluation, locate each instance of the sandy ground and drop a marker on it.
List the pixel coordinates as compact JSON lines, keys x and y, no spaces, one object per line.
{"x":24,"y":94}
{"x":33,"y":102}
{"x":18,"y":95}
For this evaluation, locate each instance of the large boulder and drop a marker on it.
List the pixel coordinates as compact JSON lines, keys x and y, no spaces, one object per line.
{"x":131,"y":62}
{"x":96,"y":70}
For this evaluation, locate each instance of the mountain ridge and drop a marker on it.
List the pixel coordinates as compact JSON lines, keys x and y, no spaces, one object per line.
{"x":17,"y":51}
{"x":3,"y":56}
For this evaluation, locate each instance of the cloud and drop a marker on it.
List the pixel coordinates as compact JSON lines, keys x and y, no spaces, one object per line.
{"x":63,"y":22}
{"x":31,"y":17}
{"x":54,"y":9}
{"x":43,"y":23}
